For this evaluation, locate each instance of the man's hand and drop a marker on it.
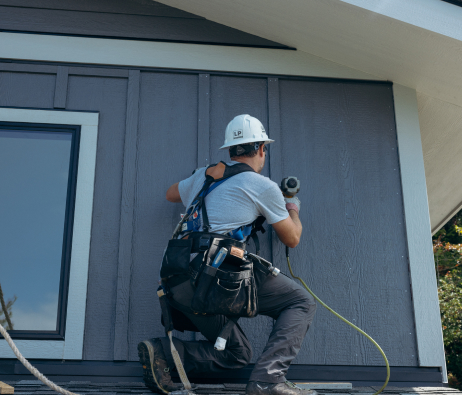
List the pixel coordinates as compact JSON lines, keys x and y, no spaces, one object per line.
{"x":289,"y":230}
{"x":173,"y":194}
{"x":293,"y":203}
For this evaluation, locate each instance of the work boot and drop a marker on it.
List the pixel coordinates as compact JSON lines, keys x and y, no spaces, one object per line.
{"x":286,"y":388}
{"x":156,"y":373}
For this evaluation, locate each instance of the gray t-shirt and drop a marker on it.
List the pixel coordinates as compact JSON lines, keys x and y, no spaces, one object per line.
{"x":238,"y":201}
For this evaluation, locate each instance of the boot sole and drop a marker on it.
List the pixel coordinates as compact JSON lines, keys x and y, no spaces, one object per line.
{"x":149,"y":376}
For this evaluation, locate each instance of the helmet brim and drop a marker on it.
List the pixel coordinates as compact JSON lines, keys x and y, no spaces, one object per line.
{"x":245,"y":141}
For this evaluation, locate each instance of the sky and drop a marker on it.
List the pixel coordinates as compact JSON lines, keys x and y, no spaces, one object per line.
{"x":34,"y":170}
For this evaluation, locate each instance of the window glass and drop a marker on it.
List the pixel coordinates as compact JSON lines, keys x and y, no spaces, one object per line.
{"x":34,"y":174}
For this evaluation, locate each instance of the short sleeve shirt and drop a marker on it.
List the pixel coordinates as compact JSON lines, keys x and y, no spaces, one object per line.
{"x":238,"y":201}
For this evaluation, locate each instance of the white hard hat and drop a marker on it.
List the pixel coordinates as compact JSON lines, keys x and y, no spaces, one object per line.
{"x":244,"y":129}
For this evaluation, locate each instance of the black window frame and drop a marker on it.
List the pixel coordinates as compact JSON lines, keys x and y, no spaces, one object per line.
{"x":59,"y":333}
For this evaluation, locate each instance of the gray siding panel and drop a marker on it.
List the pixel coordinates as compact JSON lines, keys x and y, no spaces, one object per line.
{"x":203,"y":121}
{"x":337,"y":137}
{"x":108,"y":96}
{"x":167,"y":153}
{"x":62,"y":78}
{"x":126,"y":217}
{"x":27,"y":90}
{"x":340,"y":140}
{"x":231,"y":96}
{"x":127,"y":25}
{"x":28,"y":68}
{"x":98,"y":72}
{"x":276,"y":157}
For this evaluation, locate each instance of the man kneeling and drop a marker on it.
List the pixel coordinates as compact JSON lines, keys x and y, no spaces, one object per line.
{"x":231,"y":208}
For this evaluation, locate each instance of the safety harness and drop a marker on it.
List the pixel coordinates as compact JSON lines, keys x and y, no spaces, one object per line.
{"x":196,"y":214}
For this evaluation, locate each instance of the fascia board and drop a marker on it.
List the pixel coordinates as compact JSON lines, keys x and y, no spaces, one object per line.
{"x":85,"y":50}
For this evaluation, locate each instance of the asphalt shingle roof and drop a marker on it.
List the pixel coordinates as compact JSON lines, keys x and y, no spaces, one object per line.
{"x":35,"y":387}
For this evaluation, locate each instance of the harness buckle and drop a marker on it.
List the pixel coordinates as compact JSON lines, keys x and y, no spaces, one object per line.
{"x":204,"y":243}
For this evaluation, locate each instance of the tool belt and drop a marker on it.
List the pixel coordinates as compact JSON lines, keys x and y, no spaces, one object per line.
{"x":229,"y":289}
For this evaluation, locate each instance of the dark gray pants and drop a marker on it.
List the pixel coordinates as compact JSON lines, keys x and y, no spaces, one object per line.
{"x":280,"y":298}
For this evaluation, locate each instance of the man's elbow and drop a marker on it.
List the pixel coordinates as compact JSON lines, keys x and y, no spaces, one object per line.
{"x":173,"y":194}
{"x":293,"y":242}
{"x":169,"y":196}
{"x":172,"y":197}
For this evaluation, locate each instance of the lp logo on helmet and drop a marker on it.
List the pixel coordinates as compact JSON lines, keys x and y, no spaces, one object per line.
{"x":238,"y":134}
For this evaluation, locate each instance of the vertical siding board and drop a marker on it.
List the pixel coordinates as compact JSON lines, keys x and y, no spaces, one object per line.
{"x":232,"y":96}
{"x":167,"y":153}
{"x":107,"y":96}
{"x":339,"y":139}
{"x":275,"y":151}
{"x":203,"y":128}
{"x":62,"y":77}
{"x":126,"y":218}
{"x":274,"y":129}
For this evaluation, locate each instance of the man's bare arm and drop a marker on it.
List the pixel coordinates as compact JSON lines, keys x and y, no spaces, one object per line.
{"x":173,"y":194}
{"x":289,"y":230}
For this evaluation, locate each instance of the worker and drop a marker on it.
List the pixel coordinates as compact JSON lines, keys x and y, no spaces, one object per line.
{"x":234,"y":204}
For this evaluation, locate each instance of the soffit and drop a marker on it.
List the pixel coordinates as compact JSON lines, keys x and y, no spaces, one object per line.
{"x":440,"y":128}
{"x":391,"y":43}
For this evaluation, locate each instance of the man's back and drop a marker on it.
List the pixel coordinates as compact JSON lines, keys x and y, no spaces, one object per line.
{"x":238,"y":201}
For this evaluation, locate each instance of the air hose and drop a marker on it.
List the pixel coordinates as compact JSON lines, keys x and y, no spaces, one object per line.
{"x":344,"y":320}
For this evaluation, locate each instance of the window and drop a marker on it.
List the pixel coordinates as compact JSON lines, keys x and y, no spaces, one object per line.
{"x":47,"y":174}
{"x":38,"y":173}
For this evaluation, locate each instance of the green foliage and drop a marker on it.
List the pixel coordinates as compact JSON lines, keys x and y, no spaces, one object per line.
{"x":447,"y":249}
{"x":450,"y":293}
{"x":451,"y":232}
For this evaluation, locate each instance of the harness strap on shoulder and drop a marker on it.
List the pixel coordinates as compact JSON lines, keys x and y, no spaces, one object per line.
{"x":205,"y":217}
{"x":215,"y":175}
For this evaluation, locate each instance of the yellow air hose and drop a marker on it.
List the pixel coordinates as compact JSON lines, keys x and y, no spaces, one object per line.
{"x":344,"y":320}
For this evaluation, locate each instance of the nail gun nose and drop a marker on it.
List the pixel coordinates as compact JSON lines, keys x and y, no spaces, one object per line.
{"x":290,"y":186}
{"x":291,"y":182}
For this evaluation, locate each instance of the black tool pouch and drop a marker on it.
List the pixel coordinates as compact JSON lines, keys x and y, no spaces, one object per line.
{"x":176,"y":258}
{"x":228,"y":290}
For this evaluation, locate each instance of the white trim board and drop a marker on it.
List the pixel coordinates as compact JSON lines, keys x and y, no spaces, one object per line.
{"x":171,"y":55}
{"x":421,"y":264}
{"x":72,"y":346}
